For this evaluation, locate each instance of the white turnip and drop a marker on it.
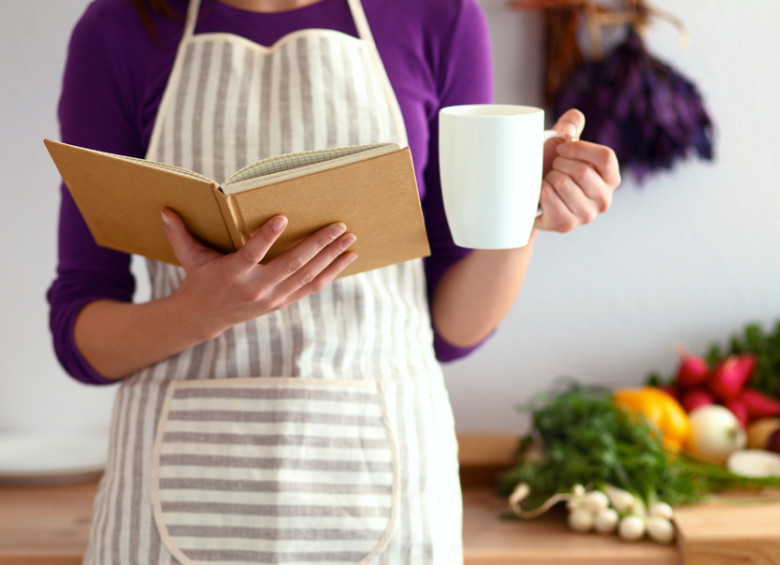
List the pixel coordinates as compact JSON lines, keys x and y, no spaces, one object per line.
{"x":715,"y":434}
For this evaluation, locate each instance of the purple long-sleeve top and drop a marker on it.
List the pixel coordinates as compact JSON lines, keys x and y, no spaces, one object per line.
{"x":436,"y":53}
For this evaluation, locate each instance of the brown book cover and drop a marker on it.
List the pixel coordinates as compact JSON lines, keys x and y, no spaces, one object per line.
{"x":371,"y":188}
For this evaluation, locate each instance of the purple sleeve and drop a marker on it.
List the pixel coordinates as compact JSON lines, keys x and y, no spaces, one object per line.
{"x":464,"y":76}
{"x":92,"y":114}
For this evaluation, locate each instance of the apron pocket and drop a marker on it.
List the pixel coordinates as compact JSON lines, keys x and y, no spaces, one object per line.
{"x":274,"y":470}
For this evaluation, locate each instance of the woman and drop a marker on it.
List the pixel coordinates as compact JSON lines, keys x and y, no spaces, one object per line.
{"x":269,"y":413}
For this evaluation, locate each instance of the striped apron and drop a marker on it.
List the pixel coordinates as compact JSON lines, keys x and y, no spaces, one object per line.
{"x":321,"y":433}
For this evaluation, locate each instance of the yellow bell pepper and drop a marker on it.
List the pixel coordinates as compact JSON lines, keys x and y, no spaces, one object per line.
{"x":661,"y":409}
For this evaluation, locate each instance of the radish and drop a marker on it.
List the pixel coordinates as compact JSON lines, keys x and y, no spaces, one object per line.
{"x":730,"y":376}
{"x":773,"y":443}
{"x":672,"y":391}
{"x":740,"y":410}
{"x":759,"y":405}
{"x":692,"y":370}
{"x":695,"y":397}
{"x":754,"y":463}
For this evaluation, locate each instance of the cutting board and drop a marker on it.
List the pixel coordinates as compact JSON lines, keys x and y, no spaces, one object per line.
{"x":735,"y":529}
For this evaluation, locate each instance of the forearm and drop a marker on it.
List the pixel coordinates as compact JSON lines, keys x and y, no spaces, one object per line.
{"x":119,"y":338}
{"x":476,"y":293}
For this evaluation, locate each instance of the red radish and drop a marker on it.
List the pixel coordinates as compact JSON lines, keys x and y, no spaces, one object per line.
{"x":759,"y":405}
{"x":671,"y":391}
{"x":730,"y":376}
{"x":773,"y":443}
{"x":740,"y":410}
{"x":695,"y":397}
{"x":692,"y":371}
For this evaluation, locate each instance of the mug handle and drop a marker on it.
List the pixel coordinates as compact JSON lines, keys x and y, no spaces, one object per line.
{"x":547,"y":134}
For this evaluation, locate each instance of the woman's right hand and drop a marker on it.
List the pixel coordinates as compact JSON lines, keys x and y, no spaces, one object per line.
{"x":224,"y":290}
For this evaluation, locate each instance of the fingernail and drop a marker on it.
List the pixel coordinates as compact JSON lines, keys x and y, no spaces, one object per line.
{"x":351,"y":257}
{"x":348,"y":240}
{"x":570,"y":131}
{"x":165,"y":219}
{"x":337,"y":229}
{"x":278,"y":223}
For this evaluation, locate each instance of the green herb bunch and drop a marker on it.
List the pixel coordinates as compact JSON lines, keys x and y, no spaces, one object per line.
{"x":580,"y":436}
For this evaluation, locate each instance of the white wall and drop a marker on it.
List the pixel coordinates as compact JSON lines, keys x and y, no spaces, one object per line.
{"x":688,"y":257}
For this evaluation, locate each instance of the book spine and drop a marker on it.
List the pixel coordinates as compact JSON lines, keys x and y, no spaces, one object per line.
{"x":233,"y":220}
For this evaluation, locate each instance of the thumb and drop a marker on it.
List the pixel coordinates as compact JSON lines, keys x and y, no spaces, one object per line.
{"x":570,"y":124}
{"x":189,"y":251}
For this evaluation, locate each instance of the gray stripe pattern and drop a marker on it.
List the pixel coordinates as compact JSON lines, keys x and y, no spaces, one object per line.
{"x":270,"y":474}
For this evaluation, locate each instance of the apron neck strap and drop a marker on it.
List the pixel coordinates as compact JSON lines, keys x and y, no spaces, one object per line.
{"x":192,"y":18}
{"x":361,"y":23}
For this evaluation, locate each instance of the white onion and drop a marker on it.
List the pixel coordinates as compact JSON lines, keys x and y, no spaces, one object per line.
{"x":661,"y":510}
{"x":660,"y":529}
{"x":631,"y":528}
{"x":715,"y":433}
{"x":596,"y":501}
{"x":606,"y":521}
{"x":581,"y":520}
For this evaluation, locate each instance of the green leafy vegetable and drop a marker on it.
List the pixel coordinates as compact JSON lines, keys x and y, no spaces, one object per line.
{"x":580,"y":436}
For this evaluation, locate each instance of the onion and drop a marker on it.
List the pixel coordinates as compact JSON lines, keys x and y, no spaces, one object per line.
{"x":659,"y":529}
{"x":606,"y":521}
{"x":595,"y":501}
{"x":581,"y":520}
{"x":661,"y":510}
{"x":621,"y":500}
{"x":715,"y":434}
{"x":754,"y":463}
{"x":631,"y":528}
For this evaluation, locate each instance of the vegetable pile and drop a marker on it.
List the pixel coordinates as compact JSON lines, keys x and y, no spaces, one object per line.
{"x":742,"y":378}
{"x":615,"y":458}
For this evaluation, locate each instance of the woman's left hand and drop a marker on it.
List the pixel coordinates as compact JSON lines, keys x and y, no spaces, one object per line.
{"x":579,"y":177}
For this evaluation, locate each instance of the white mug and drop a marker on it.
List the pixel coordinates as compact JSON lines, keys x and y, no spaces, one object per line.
{"x":491,"y":157}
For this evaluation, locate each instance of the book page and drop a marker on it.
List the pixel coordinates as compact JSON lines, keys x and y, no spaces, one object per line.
{"x":277,"y":168}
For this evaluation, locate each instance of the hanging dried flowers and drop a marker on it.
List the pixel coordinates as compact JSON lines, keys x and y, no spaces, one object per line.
{"x":641,"y":107}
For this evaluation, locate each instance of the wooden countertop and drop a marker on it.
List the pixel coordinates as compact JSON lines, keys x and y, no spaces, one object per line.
{"x":49,"y":525}
{"x":45,"y":525}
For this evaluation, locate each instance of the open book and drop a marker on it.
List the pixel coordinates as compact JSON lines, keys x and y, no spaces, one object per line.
{"x":371,"y":188}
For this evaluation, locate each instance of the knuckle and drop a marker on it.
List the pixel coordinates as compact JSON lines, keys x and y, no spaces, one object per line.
{"x":246,"y":255}
{"x":251,"y":295}
{"x":567,"y":186}
{"x":272,"y":304}
{"x":294,"y":264}
{"x":319,"y":284}
{"x":306,"y":277}
{"x":568,"y":225}
{"x":607,"y":157}
{"x":581,"y":170}
{"x":604,"y":203}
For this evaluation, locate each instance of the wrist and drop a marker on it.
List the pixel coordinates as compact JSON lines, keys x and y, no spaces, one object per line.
{"x":196,"y":323}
